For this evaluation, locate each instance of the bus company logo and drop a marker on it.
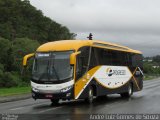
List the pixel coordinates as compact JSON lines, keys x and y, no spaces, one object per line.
{"x":109,"y":72}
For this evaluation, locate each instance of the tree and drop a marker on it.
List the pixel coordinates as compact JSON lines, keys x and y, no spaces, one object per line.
{"x":20,"y":19}
{"x":157,"y":59}
{"x":22,"y":29}
{"x":21,"y":47}
{"x":5,"y":57}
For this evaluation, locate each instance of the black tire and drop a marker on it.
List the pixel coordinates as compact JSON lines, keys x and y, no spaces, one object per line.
{"x":129,"y":92}
{"x":55,"y":101}
{"x":89,"y":99}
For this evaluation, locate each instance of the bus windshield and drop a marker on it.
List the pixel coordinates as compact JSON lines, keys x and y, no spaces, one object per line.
{"x":54,"y":66}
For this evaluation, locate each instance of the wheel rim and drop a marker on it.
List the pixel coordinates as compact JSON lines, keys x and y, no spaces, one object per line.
{"x":130,"y":90}
{"x":90,"y":95}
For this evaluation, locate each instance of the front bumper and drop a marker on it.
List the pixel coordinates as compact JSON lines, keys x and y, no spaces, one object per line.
{"x":61,"y":95}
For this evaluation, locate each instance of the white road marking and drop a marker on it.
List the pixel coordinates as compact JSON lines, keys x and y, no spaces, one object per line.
{"x":18,"y":108}
{"x":151,"y":86}
{"x":49,"y":109}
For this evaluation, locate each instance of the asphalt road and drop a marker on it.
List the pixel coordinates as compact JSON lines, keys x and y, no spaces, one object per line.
{"x":145,"y":101}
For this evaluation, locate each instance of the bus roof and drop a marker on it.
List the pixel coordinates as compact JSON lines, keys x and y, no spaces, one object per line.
{"x":64,"y":45}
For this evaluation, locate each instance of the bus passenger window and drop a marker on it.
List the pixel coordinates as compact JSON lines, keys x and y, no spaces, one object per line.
{"x":82,"y":62}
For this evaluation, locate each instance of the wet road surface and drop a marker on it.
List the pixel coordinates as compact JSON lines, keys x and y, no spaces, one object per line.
{"x":145,"y":101}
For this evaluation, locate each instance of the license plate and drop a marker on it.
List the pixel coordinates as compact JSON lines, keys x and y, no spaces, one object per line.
{"x":48,"y":96}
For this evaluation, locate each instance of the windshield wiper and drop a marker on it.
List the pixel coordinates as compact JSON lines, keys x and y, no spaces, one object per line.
{"x":47,"y":68}
{"x":57,"y":76}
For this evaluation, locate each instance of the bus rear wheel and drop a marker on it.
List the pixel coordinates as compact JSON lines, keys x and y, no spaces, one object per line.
{"x":89,"y":99}
{"x":129,"y":92}
{"x":55,"y":101}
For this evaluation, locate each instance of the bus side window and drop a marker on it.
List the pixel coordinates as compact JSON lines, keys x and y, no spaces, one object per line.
{"x":122,"y":57}
{"x":107,"y":58}
{"x":110,"y":58}
{"x":98,"y":56}
{"x":137,"y":60}
{"x":82,"y":62}
{"x":116,"y":58}
{"x":93,"y":60}
{"x":134,"y":63}
{"x":129,"y":60}
{"x":119,"y":58}
{"x":78,"y":67}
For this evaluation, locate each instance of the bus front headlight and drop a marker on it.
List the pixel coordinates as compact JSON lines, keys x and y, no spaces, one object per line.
{"x":66,"y":89}
{"x":35,"y":89}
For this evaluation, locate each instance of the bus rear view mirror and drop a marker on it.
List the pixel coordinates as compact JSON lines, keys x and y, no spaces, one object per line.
{"x":26,"y":57}
{"x":73,"y":58}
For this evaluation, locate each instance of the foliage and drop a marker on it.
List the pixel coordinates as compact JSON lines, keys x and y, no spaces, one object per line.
{"x":5,"y":45}
{"x":21,"y":47}
{"x":157,"y":59}
{"x":22,"y":29}
{"x":20,"y":19}
{"x":8,"y":80}
{"x":149,"y":65}
{"x":10,"y":63}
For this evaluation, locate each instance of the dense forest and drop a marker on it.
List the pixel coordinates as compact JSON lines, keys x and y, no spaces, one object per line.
{"x":22,"y":29}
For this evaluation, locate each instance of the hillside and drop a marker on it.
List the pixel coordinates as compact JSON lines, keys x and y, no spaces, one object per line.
{"x":22,"y":29}
{"x":21,"y":19}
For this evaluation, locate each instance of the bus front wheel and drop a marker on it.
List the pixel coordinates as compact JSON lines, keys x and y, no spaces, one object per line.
{"x":89,"y":99}
{"x":129,"y":92}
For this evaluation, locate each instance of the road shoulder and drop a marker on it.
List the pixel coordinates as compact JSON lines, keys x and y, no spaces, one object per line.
{"x":15,"y":97}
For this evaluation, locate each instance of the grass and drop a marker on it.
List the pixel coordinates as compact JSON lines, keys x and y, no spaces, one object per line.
{"x":14,"y":91}
{"x":150,"y":77}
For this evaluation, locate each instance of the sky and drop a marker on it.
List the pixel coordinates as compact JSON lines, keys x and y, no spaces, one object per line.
{"x":132,"y":23}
